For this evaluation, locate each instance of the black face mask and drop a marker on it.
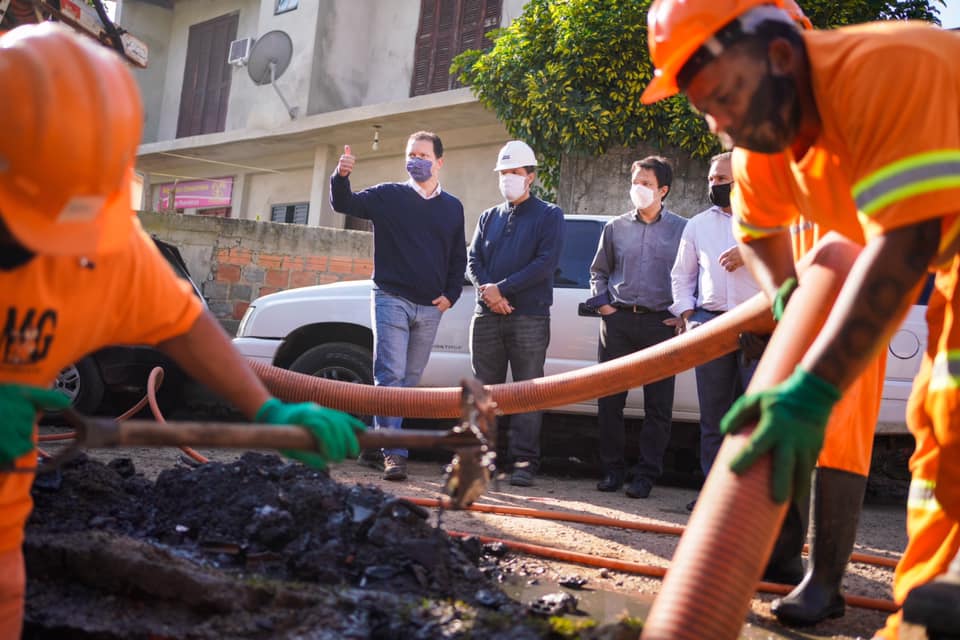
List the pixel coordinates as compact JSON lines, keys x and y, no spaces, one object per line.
{"x":766,"y":129}
{"x":720,"y":194}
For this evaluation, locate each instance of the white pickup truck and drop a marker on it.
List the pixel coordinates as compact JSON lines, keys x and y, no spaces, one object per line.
{"x":325,"y":330}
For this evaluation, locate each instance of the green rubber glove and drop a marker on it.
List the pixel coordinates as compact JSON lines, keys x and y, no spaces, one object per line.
{"x":791,"y":419}
{"x":19,"y":405}
{"x":333,"y":430}
{"x":782,"y":297}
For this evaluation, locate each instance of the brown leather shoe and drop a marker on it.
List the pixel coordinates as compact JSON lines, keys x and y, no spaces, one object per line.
{"x":394,"y":468}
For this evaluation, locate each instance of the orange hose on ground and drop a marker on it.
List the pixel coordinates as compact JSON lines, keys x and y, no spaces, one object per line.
{"x":732,"y":530}
{"x":712,"y":340}
{"x":649,"y":570}
{"x":603,"y":521}
{"x":154,"y":381}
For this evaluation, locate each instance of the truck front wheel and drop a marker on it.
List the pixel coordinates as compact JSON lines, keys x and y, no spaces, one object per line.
{"x":342,"y":361}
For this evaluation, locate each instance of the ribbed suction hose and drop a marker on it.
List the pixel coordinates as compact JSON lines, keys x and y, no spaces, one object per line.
{"x":722,"y":554}
{"x":668,"y":358}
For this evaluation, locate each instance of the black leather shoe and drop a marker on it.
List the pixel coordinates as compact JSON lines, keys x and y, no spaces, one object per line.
{"x":638,"y":488}
{"x":611,"y":481}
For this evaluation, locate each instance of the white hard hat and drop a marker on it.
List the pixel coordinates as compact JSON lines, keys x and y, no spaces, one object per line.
{"x":514,"y":154}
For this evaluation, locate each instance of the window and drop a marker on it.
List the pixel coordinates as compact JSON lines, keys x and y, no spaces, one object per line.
{"x":285,"y":5}
{"x":296,"y":213}
{"x":447,"y":28}
{"x":580,"y":241}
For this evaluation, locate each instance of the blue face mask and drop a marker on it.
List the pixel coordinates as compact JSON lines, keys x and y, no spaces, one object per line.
{"x":419,"y":169}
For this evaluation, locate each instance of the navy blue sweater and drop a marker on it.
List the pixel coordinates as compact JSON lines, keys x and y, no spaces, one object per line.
{"x":419,"y":249}
{"x":518,"y":249}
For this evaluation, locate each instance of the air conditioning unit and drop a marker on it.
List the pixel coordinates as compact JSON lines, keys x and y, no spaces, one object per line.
{"x":240,"y":51}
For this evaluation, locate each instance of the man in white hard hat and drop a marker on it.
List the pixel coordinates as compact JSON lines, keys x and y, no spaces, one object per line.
{"x":511,"y":261}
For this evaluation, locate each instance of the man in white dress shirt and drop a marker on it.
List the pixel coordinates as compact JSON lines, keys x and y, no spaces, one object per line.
{"x":708,"y":279}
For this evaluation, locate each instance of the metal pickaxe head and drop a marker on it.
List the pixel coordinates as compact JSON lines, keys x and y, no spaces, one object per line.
{"x":468,"y":475}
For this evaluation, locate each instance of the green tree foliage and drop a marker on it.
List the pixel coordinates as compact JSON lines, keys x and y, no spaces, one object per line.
{"x":566,"y":76}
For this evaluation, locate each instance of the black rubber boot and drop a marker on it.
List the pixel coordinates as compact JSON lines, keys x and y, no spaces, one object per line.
{"x":834,"y":513}
{"x":785,"y":565}
{"x":935,"y":606}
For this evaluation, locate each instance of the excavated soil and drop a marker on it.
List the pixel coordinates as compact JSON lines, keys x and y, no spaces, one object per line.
{"x":261,"y":548}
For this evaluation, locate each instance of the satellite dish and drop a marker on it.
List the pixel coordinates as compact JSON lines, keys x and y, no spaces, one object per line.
{"x":268,"y":59}
{"x":272,"y":49}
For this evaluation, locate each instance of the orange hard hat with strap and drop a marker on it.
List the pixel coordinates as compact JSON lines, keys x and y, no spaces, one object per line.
{"x":677,"y":29}
{"x":72,"y":115}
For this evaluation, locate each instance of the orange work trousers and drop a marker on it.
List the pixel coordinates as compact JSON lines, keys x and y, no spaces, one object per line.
{"x":848,"y":442}
{"x":15,"y":506}
{"x":933,"y":505}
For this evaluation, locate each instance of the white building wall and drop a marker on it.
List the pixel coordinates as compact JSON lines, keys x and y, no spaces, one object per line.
{"x":268,"y":189}
{"x":152,"y":24}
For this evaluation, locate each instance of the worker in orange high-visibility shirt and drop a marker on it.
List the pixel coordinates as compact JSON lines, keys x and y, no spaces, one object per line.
{"x":839,"y":127}
{"x":840,"y":478}
{"x":77,"y":272}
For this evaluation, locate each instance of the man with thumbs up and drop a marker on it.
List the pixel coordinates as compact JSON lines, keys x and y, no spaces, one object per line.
{"x":419,"y":260}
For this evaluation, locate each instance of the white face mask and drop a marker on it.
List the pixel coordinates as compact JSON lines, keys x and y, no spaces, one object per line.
{"x":641,"y":196}
{"x":512,"y":186}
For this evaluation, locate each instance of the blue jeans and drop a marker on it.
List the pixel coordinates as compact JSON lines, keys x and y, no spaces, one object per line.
{"x":719,"y":383}
{"x":521,"y":341}
{"x":403,"y":334}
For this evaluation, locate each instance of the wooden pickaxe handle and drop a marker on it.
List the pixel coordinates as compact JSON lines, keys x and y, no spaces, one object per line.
{"x":100,"y":433}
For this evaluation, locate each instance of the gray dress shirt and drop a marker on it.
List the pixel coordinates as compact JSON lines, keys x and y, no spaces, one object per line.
{"x":633,"y":261}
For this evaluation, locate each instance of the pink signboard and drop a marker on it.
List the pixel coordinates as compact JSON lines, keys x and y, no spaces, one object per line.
{"x":197,"y":194}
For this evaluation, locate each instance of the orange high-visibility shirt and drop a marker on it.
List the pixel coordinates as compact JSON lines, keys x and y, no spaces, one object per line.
{"x":57,"y":309}
{"x":888,"y":154}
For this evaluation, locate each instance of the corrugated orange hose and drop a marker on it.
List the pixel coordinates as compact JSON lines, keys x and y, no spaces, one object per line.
{"x":731,"y":532}
{"x":603,"y":521}
{"x":649,"y":570}
{"x":668,"y":358}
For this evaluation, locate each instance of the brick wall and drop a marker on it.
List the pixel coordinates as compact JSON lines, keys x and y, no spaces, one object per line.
{"x":236,"y":261}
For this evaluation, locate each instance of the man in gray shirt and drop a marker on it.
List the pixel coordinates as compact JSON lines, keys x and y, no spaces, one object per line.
{"x":630,"y":284}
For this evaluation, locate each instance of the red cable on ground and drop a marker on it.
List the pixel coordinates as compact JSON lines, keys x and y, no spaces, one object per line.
{"x":603,"y":521}
{"x":154,"y":382}
{"x":649,"y":570}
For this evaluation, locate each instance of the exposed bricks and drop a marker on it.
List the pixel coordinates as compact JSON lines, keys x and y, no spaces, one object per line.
{"x":363,"y":268}
{"x":243,"y":275}
{"x":303,"y":278}
{"x":228,"y":273}
{"x":236,"y":255}
{"x":293,"y":263}
{"x":315,"y":263}
{"x":270,"y":261}
{"x":340,"y":265}
{"x":277,"y":278}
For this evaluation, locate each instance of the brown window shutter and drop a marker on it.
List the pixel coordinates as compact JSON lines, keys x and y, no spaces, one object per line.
{"x":206,"y":77}
{"x":447,"y":28}
{"x":423,"y":49}
{"x":446,"y":43}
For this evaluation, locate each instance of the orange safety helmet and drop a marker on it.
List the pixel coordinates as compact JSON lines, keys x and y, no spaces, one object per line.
{"x":72,"y":115}
{"x":676,"y":29}
{"x":791,"y":7}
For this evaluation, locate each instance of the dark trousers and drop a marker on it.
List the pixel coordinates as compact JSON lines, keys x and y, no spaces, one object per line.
{"x":521,"y":342}
{"x":622,"y":333}
{"x":719,"y":383}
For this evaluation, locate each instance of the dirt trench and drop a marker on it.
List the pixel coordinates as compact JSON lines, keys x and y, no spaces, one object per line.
{"x":261,"y":548}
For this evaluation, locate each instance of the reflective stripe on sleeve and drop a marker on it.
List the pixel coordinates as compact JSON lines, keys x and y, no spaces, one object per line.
{"x":945,"y":373}
{"x":922,"y":173}
{"x":921,"y":496}
{"x":743,"y":229}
